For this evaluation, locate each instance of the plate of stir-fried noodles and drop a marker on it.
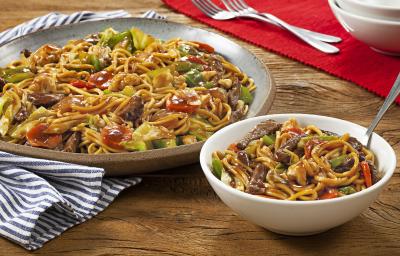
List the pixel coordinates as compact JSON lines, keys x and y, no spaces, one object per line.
{"x":129,"y":95}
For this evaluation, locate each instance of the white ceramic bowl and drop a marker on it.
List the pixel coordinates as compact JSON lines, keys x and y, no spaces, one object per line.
{"x":297,"y":217}
{"x":379,"y":9}
{"x":382,"y":36}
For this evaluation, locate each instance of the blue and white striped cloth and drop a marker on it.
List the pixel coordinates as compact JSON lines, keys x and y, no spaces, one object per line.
{"x":40,"y":199}
{"x":56,"y":19}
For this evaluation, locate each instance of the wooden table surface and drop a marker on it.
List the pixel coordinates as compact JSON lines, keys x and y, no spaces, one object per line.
{"x":176,"y":212}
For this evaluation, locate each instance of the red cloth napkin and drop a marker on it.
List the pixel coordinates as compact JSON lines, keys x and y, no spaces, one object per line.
{"x":356,"y":62}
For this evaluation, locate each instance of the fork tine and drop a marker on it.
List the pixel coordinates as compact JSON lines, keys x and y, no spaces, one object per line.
{"x":212,"y":5}
{"x":238,"y":5}
{"x":228,"y":5}
{"x":243,"y":4}
{"x":204,"y":9}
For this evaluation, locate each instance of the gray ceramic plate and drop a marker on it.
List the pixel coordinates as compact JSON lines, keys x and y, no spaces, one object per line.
{"x":152,"y":160}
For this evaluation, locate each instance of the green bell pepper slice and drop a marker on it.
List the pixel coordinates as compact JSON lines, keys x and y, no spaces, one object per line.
{"x":185,"y":66}
{"x":217,"y":167}
{"x":338,"y":161}
{"x":209,"y":85}
{"x":18,"y":77}
{"x":95,"y":62}
{"x":269,"y":139}
{"x":115,"y":39}
{"x":15,"y":75}
{"x":245,"y":95}
{"x":328,"y":137}
{"x":193,"y":77}
{"x":348,"y":190}
{"x":164,"y":143}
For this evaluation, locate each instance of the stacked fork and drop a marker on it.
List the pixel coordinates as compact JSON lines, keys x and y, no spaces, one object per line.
{"x":239,"y":9}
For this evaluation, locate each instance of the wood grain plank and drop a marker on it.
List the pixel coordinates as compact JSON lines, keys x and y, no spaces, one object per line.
{"x":175,"y":212}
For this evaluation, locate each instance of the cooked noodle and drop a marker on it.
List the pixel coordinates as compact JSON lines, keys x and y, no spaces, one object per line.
{"x":118,"y":92}
{"x":290,"y":162}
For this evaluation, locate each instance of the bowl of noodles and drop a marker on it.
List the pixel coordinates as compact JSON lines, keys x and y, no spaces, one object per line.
{"x":129,"y":95}
{"x":296,"y":174}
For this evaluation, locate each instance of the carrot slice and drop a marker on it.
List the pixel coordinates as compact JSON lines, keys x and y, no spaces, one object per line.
{"x":331,"y":193}
{"x":367,"y":173}
{"x":233,"y":147}
{"x":295,"y":130}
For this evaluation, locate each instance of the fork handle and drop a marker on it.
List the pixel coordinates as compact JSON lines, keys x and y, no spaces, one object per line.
{"x":320,"y":36}
{"x":323,"y":47}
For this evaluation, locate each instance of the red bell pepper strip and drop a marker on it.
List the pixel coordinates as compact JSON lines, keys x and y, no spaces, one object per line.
{"x":82,"y":84}
{"x":194,"y":59}
{"x":204,"y":47}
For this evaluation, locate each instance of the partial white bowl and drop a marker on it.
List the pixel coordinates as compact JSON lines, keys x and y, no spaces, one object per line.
{"x":379,"y":9}
{"x":297,"y":217}
{"x":382,"y":36}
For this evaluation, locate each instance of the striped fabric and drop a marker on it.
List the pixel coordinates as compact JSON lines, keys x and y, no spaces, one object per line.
{"x":40,"y":199}
{"x":57,"y":19}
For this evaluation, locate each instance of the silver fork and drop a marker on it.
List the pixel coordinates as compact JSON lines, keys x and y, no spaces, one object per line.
{"x":242,"y":7}
{"x":394,"y":92}
{"x":215,"y":12}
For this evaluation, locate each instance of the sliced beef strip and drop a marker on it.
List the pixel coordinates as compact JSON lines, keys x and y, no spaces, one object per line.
{"x":26,"y":53}
{"x":376,"y":176}
{"x":237,"y":115}
{"x":330,"y":133}
{"x":256,"y":184}
{"x":72,"y":143}
{"x":355,"y":144}
{"x":2,"y":83}
{"x":264,"y":128}
{"x":291,"y":145}
{"x":21,"y":115}
{"x":243,"y":157}
{"x":234,"y":93}
{"x":218,"y":93}
{"x":347,"y":164}
{"x":299,"y":152}
{"x":361,"y":156}
{"x":133,"y":110}
{"x":44,"y":99}
{"x":216,"y":64}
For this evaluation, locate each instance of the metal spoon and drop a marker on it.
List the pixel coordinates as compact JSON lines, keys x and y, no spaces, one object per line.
{"x":394,"y":92}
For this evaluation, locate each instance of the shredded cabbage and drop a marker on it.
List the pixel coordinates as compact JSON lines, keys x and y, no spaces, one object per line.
{"x":6,"y":120}
{"x":225,"y":177}
{"x":9,"y":113}
{"x":30,"y":122}
{"x":140,"y":39}
{"x":4,"y":100}
{"x":148,"y":132}
{"x":106,"y":35}
{"x":144,"y":134}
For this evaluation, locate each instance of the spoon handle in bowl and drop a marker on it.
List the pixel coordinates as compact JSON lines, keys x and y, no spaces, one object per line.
{"x":394,"y":92}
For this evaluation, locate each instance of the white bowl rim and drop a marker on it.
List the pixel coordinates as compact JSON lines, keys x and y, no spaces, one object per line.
{"x":375,"y":6}
{"x":334,"y":5}
{"x":209,"y":174}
